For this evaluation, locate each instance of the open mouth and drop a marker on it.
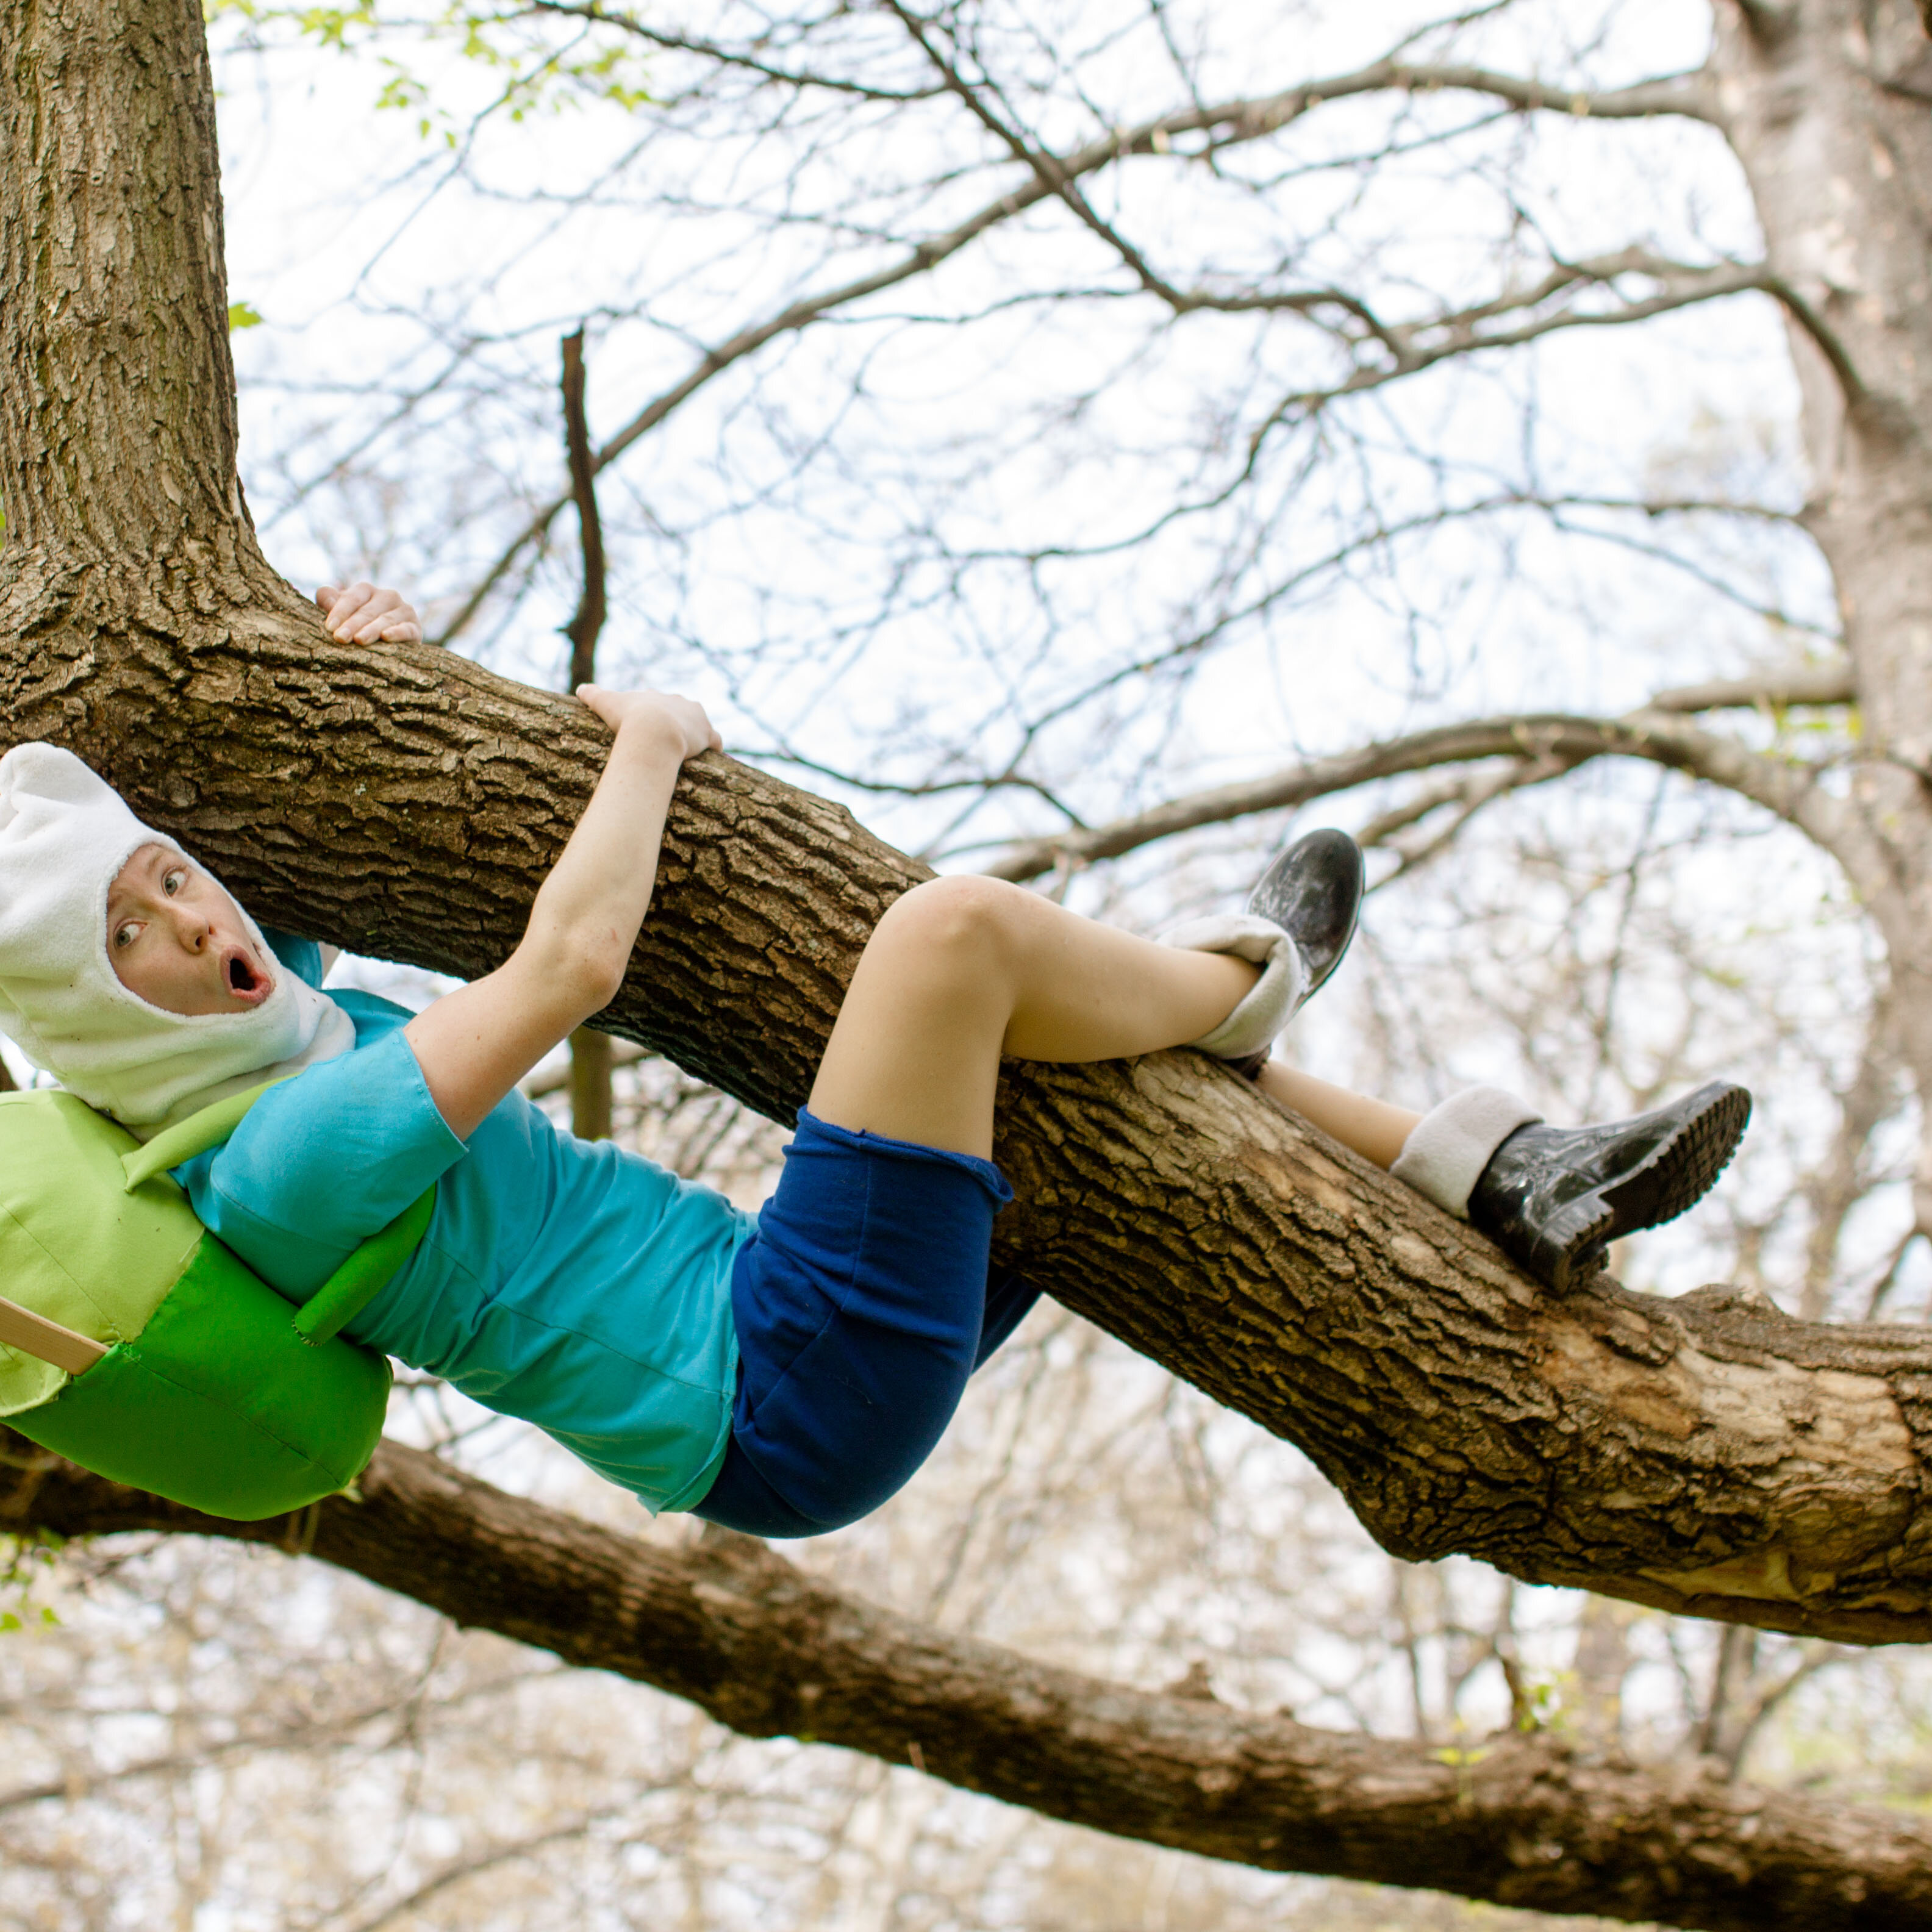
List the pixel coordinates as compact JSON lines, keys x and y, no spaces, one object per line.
{"x":244,"y":979}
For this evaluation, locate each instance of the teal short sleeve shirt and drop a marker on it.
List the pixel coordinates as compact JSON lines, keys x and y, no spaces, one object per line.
{"x":567,"y":1282}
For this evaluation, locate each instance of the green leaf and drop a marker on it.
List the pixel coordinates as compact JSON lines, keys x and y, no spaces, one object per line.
{"x":542,"y":66}
{"x":243,"y":315}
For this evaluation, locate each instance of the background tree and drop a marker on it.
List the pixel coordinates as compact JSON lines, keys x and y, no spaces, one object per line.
{"x":1110,"y":632}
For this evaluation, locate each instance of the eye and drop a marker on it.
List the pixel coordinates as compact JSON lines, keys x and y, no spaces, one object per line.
{"x":125,"y":935}
{"x":173,"y":881}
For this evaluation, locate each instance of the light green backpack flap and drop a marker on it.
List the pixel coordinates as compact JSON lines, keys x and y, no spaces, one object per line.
{"x":146,"y":1350}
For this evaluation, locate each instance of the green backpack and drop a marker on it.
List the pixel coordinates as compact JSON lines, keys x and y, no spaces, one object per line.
{"x":132,"y":1342}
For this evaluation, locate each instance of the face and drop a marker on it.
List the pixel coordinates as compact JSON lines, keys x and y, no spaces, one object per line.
{"x":177,"y":940}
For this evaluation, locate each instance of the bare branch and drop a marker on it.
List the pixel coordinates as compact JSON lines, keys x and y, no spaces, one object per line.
{"x":1233,"y":122}
{"x":770,"y":1651}
{"x":304,"y":1734}
{"x":1470,"y":793}
{"x":1565,"y":741}
{"x":1461,"y":333}
{"x":725,"y":56}
{"x":589,"y":1050}
{"x":1774,"y":1691}
{"x":1829,"y":344}
{"x":1801,"y":684}
{"x":1194,"y":643}
{"x":459,"y":1871}
{"x":585,"y":627}
{"x":1048,"y":169}
{"x":1463,"y":789}
{"x":1833,"y":1190}
{"x":1888,"y":1275}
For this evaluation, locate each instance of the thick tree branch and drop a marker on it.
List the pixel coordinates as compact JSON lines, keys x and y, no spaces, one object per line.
{"x":1701,"y":1455}
{"x":1690,"y":1455}
{"x":1525,"y":1820}
{"x":1706,"y":1455}
{"x":405,"y":802}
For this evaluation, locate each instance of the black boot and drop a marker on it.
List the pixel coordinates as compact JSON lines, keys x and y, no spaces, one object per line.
{"x":1313,"y":892}
{"x":1554,"y":1199}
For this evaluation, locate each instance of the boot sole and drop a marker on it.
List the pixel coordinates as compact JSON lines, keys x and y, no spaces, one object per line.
{"x":1673,"y":1177}
{"x":1262,"y":899}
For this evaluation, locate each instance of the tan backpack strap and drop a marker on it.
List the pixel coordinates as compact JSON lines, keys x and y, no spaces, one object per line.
{"x":47,"y":1341}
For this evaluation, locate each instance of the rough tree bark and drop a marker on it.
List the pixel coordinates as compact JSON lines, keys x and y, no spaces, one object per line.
{"x":1701,"y":1455}
{"x":1707,"y":1455}
{"x":1824,"y":103}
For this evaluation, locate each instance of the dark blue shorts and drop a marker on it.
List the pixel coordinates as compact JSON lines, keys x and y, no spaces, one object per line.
{"x":862,"y":1303}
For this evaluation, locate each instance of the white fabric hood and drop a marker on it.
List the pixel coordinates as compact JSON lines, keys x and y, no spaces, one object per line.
{"x":65,"y":835}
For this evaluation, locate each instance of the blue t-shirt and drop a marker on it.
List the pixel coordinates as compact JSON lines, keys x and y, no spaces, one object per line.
{"x":566,"y":1282}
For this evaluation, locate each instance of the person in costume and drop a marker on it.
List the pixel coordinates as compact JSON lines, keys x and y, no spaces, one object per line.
{"x":783,"y":1373}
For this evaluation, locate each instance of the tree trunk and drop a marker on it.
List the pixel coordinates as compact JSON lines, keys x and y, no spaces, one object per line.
{"x":1525,"y":1820}
{"x":1825,"y":104}
{"x":590,"y":1064}
{"x":1705,"y":1455}
{"x":117,"y":419}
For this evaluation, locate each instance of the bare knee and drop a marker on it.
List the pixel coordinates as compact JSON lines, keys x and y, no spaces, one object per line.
{"x":973,"y":925}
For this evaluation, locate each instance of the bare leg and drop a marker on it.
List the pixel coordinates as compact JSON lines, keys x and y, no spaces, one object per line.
{"x":961,"y":971}
{"x":1373,"y":1129}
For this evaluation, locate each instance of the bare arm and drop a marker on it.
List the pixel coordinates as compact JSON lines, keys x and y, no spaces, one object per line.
{"x":475,"y":1044}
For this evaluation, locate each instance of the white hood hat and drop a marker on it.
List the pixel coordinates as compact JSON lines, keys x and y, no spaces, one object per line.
{"x":65,"y":835}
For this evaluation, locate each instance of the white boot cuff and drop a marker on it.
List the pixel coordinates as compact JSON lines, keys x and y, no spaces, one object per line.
{"x":1447,"y":1149}
{"x":1271,"y":1003}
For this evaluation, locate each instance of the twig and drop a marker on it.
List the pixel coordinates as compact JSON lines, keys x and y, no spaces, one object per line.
{"x":583,"y":629}
{"x":589,"y":1050}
